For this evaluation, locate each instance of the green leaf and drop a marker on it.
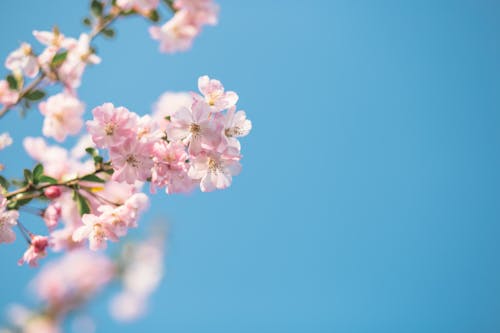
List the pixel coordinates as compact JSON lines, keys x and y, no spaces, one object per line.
{"x":13,"y":85}
{"x":81,"y":203}
{"x":91,"y":151}
{"x":108,"y":32}
{"x":37,"y":173}
{"x":47,"y":179}
{"x":59,"y":59}
{"x":98,"y":159}
{"x":86,"y":21}
{"x":97,"y":8}
{"x":35,"y":95}
{"x":93,"y":178}
{"x":4,"y":182}
{"x":154,"y":16}
{"x":28,"y":176}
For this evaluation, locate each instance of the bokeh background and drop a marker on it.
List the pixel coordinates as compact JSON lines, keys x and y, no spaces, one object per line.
{"x":370,"y":195}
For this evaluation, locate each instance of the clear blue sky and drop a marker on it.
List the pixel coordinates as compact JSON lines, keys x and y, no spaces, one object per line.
{"x":370,"y":195}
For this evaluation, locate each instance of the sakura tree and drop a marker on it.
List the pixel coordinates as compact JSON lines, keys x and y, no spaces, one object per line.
{"x":94,"y":192}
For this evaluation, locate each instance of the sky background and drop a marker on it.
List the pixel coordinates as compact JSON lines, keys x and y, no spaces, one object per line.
{"x":369,"y":198}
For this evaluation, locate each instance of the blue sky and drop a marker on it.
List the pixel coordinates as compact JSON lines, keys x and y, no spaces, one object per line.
{"x":369,"y":197}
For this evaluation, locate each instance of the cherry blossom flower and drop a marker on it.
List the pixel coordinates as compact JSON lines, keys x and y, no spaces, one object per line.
{"x":8,"y":219}
{"x":215,"y":170}
{"x":96,"y":231}
{"x":195,"y":127}
{"x":168,"y":104}
{"x":63,"y":116}
{"x":201,"y":11}
{"x":111,"y":126}
{"x":52,"y":214}
{"x":214,"y":95}
{"x":176,"y":34}
{"x":23,"y":60}
{"x":131,"y":161}
{"x":55,"y":39}
{"x":78,"y":57}
{"x":80,"y":273}
{"x":5,"y":140}
{"x":8,"y":97}
{"x":170,"y":169}
{"x":35,"y":251}
{"x":236,"y":125}
{"x":141,"y":6}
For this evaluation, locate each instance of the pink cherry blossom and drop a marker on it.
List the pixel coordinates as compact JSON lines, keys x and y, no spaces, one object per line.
{"x":175,"y":35}
{"x":5,"y":140}
{"x":195,"y":127}
{"x":7,"y":96}
{"x":141,"y":6}
{"x":55,"y":39}
{"x":214,"y":95}
{"x":131,"y":161}
{"x":52,"y":214}
{"x":215,"y":170}
{"x":111,"y":126}
{"x":201,"y":11}
{"x":79,"y":55}
{"x":23,"y":60}
{"x":8,"y":219}
{"x":96,"y":231}
{"x":168,"y":104}
{"x":63,"y":116}
{"x":236,"y":125}
{"x":170,"y":169}
{"x":80,"y":273}
{"x":35,"y":251}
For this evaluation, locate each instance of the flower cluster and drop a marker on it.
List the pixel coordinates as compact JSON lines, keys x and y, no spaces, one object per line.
{"x":195,"y":144}
{"x":70,"y":282}
{"x":178,"y":33}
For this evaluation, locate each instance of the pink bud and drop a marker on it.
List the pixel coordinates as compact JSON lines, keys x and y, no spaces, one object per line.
{"x":52,"y":192}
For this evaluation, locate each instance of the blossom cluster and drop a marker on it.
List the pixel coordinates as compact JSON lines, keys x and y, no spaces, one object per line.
{"x":70,"y":282}
{"x":196,"y":144}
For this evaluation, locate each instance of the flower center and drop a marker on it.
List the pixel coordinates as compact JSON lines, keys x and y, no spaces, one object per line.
{"x":132,"y":161}
{"x":109,"y":129}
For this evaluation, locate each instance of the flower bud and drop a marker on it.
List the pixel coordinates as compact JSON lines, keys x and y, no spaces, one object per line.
{"x":52,"y":192}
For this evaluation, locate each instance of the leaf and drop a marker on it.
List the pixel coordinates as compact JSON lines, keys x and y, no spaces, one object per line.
{"x":35,"y":95}
{"x":108,"y":32}
{"x":59,"y":59}
{"x":91,"y":151}
{"x":154,"y":16}
{"x":81,"y":203}
{"x":37,"y":173}
{"x":96,"y":7}
{"x":98,"y":159}
{"x":13,"y":85}
{"x":93,"y":178}
{"x":47,"y":179}
{"x":28,"y":176}
{"x":86,"y":21}
{"x":4,"y":182}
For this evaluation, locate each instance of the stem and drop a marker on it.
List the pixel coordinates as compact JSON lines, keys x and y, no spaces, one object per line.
{"x":34,"y":84}
{"x":34,"y":189}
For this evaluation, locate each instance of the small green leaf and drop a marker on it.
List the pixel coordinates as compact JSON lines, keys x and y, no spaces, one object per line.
{"x":81,"y":203}
{"x":154,"y":16}
{"x":13,"y":85}
{"x":37,"y":173}
{"x":59,"y":58}
{"x":35,"y":95}
{"x":86,"y":21}
{"x":4,"y":182}
{"x":28,"y":176}
{"x":91,"y":151}
{"x":97,"y":8}
{"x":47,"y":179}
{"x":93,"y":178}
{"x":98,"y":159}
{"x":108,"y":32}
